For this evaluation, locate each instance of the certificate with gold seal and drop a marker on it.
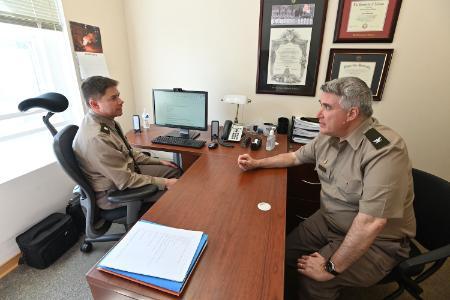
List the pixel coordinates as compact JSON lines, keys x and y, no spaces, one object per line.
{"x":369,"y":65}
{"x":366,"y":20}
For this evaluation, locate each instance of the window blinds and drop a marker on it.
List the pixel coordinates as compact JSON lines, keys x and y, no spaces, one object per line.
{"x":33,"y":13}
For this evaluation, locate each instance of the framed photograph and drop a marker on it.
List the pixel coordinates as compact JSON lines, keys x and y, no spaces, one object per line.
{"x":366,"y":21}
{"x":290,"y":41}
{"x":370,"y":65}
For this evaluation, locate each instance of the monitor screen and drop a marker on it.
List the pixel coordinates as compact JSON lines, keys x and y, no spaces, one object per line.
{"x":181,"y":109}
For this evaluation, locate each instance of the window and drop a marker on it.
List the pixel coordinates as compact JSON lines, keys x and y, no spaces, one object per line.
{"x":36,"y":58}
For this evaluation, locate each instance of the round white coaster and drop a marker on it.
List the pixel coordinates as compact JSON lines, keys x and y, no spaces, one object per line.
{"x":264,"y":206}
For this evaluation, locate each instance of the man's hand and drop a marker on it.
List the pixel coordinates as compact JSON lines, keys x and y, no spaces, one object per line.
{"x":169,"y":164}
{"x":313,"y":266}
{"x":170,"y":182}
{"x":246,"y":162}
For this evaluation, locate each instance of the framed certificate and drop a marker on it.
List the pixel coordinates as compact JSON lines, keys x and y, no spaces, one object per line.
{"x":370,"y":65}
{"x":366,"y":21}
{"x":290,"y":41}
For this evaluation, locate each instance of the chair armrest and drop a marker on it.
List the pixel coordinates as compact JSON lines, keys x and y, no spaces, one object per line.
{"x":431,"y":256}
{"x":130,"y":195}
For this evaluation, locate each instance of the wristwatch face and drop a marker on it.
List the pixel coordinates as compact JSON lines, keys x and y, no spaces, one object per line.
{"x":329,"y":267}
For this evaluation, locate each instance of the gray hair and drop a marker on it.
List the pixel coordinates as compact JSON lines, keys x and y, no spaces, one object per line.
{"x":353,"y":93}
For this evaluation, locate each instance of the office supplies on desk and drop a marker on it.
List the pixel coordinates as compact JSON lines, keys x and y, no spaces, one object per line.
{"x":155,"y":255}
{"x":304,"y":129}
{"x":245,"y":141}
{"x":214,"y":130}
{"x":212,"y":145}
{"x":232,"y":132}
{"x":136,"y":123}
{"x":283,"y":125}
{"x":256,"y":144}
{"x":174,"y":141}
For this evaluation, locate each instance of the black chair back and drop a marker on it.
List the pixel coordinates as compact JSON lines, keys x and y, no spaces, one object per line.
{"x":432,"y":208}
{"x":62,"y":146}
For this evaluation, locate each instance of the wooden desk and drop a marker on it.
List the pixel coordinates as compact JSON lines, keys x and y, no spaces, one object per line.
{"x":244,"y":258}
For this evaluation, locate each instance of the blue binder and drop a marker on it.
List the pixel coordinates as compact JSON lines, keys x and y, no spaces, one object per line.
{"x":169,"y":286}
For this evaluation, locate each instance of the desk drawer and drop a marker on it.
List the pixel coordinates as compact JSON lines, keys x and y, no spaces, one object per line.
{"x":303,"y":183}
{"x":297,"y":210}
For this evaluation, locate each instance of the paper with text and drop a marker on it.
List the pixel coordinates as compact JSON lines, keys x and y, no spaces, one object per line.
{"x":155,"y":250}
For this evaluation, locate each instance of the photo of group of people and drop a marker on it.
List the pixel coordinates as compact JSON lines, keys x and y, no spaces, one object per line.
{"x":297,"y":14}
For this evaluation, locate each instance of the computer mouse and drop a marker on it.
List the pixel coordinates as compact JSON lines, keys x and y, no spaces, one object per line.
{"x":212,"y":145}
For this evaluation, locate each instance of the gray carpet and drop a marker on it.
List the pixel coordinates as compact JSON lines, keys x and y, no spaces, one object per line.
{"x":65,"y":279}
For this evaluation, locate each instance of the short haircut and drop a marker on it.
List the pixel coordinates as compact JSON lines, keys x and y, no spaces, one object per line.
{"x":95,"y":87}
{"x":353,"y":92}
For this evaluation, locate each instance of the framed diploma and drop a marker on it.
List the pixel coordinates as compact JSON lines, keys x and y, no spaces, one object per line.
{"x":366,"y":21}
{"x":290,"y":41}
{"x":370,"y":65}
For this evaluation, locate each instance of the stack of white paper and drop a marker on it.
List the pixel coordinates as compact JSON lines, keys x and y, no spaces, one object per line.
{"x":154,"y":250}
{"x":304,"y":129}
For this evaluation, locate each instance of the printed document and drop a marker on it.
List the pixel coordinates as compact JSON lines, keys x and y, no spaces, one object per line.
{"x":155,"y":250}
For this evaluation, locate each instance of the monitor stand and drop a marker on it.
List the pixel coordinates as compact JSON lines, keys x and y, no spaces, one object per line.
{"x":184,"y":133}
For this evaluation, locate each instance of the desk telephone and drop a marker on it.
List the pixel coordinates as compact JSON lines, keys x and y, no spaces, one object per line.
{"x":232,"y":132}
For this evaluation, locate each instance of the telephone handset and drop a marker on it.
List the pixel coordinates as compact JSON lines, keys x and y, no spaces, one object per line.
{"x":232,"y":132}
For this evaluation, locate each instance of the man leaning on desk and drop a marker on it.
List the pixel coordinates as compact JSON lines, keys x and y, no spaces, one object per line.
{"x":366,"y":215}
{"x":104,"y":154}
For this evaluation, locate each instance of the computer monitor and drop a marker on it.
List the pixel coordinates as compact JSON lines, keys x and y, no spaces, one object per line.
{"x":186,"y":110}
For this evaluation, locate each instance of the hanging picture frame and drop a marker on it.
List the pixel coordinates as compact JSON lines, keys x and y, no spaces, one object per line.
{"x":370,"y":65}
{"x":290,"y":42}
{"x":366,"y":21}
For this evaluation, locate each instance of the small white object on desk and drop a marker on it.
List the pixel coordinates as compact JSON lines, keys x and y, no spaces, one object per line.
{"x":264,"y":206}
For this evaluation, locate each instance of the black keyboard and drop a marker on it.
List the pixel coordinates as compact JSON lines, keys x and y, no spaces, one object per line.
{"x":176,"y":141}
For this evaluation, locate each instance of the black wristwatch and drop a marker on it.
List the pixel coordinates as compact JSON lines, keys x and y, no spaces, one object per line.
{"x":331,"y":268}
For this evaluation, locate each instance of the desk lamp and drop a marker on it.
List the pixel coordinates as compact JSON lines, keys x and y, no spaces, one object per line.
{"x":236,"y":99}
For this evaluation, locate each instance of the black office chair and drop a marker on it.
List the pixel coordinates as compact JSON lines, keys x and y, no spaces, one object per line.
{"x":432,"y":208}
{"x":98,"y":221}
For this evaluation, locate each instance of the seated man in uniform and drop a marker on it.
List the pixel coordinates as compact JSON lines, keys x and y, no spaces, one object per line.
{"x":103,"y":152}
{"x":366,"y":216}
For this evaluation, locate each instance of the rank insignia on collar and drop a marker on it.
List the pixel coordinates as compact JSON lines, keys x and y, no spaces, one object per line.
{"x":376,"y":138}
{"x":322,"y":168}
{"x":104,"y":128}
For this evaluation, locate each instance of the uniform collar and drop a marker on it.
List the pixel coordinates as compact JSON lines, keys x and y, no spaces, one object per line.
{"x":100,"y":119}
{"x":356,"y":137}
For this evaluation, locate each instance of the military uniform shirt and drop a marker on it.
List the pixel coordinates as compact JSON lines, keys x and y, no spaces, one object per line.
{"x":104,"y":158}
{"x":371,"y":176}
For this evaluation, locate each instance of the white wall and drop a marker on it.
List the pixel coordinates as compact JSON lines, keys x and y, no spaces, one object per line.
{"x":213,"y":46}
{"x":109,"y":17}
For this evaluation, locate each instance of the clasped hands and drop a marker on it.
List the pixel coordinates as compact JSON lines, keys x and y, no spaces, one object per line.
{"x":313,"y":266}
{"x":246,"y":162}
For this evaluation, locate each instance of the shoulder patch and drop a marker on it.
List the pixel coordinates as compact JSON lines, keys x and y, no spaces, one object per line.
{"x":376,"y":139}
{"x":104,"y":128}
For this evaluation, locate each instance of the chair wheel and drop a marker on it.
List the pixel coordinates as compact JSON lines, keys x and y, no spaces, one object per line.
{"x":86,"y":247}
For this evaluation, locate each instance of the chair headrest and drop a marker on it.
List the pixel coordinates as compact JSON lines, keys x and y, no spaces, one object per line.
{"x":53,"y":102}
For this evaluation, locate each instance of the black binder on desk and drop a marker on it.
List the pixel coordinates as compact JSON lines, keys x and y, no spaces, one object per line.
{"x":166,"y":285}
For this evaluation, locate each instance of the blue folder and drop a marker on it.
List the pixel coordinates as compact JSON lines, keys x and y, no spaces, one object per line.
{"x":170,"y":286}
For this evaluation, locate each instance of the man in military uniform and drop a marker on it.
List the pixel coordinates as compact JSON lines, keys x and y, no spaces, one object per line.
{"x":366,"y":215}
{"x":103,"y":152}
